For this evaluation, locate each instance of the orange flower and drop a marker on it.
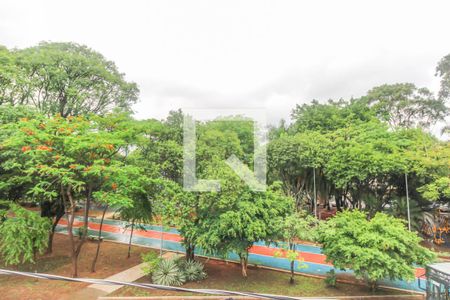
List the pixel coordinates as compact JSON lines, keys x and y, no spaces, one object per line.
{"x":28,"y":131}
{"x":87,"y":169}
{"x":44,"y":148}
{"x":114,"y":186}
{"x":26,"y":148}
{"x":109,"y":147}
{"x":57,"y":157}
{"x":72,"y":166}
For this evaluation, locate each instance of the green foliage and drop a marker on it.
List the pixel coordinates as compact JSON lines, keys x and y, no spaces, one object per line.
{"x":331,"y":279}
{"x":399,"y":209}
{"x":23,"y":235}
{"x":292,"y":256}
{"x":168,"y":273}
{"x":151,"y":260}
{"x":292,"y":159}
{"x":329,"y":116}
{"x":443,"y":71}
{"x":193,"y":270}
{"x":237,"y":217}
{"x":439,"y":189}
{"x":63,"y":78}
{"x":298,"y":226}
{"x":374,"y":249}
{"x":404,"y":105}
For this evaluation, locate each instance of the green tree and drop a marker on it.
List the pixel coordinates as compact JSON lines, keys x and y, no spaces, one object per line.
{"x":236,"y":217}
{"x":12,"y":185}
{"x":443,"y":71}
{"x":128,"y":190}
{"x":374,"y":249}
{"x":11,"y":77}
{"x":22,"y":235}
{"x":296,"y":227}
{"x":68,"y":158}
{"x":293,"y":158}
{"x":330,"y":116}
{"x":405,"y":105}
{"x":64,"y":78}
{"x":184,"y":211}
{"x":364,"y":160}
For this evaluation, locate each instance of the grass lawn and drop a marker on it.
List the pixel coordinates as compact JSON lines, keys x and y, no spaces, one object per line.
{"x":222,"y":275}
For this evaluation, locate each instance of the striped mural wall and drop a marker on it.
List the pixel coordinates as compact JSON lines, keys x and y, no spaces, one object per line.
{"x":260,"y":253}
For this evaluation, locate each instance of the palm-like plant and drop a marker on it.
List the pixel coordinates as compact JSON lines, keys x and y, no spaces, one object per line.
{"x":399,"y":209}
{"x":193,"y":270}
{"x":168,"y":273}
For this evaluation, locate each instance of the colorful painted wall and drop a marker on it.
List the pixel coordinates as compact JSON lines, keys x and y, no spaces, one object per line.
{"x":260,"y":253}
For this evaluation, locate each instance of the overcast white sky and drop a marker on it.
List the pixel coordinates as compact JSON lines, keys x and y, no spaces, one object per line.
{"x":231,"y":54}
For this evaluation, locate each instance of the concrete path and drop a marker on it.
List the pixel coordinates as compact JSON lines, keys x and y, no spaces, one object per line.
{"x":94,"y":291}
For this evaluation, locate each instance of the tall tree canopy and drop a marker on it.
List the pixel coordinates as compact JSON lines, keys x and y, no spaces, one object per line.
{"x":64,"y":78}
{"x":443,"y":71}
{"x":403,"y":105}
{"x":236,"y":217}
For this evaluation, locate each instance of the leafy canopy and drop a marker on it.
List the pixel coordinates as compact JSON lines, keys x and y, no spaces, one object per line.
{"x":22,"y":235}
{"x":374,"y":249}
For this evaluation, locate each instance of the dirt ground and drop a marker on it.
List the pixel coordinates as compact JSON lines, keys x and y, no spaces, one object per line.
{"x":223,"y":275}
{"x":112,"y":259}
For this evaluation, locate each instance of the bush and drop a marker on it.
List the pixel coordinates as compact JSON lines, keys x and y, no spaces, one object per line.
{"x":168,"y":273}
{"x":23,"y":236}
{"x":151,"y":260}
{"x":193,"y":270}
{"x":331,"y":278}
{"x":381,"y":247}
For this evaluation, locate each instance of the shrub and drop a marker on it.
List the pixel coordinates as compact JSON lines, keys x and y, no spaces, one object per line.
{"x":23,"y":236}
{"x":193,"y":270}
{"x":151,"y":260}
{"x":168,"y":273}
{"x":331,"y":278}
{"x":381,"y":247}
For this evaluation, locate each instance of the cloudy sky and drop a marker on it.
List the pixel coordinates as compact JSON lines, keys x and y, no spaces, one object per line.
{"x":249,"y":54}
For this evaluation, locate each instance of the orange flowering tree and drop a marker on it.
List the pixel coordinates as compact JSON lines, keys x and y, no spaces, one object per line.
{"x":71,"y":159}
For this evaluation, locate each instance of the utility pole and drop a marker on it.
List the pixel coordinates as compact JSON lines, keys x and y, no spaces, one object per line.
{"x":407,"y":201}
{"x":315,"y":192}
{"x":162,"y":238}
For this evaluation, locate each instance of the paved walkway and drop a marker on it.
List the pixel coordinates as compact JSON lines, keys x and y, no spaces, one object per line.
{"x":94,"y":291}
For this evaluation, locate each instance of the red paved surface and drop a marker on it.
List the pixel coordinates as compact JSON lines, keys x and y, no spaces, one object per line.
{"x":260,"y":250}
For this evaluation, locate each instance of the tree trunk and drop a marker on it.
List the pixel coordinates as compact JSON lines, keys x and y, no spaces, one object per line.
{"x":291,"y":280}
{"x":76,"y":247}
{"x":70,"y":219}
{"x":337,"y":199}
{"x":52,"y":233}
{"x":190,"y":255}
{"x":373,"y":285}
{"x":94,"y":262}
{"x":87,"y":206}
{"x":244,"y":261}
{"x":74,"y":265}
{"x":131,"y":237}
